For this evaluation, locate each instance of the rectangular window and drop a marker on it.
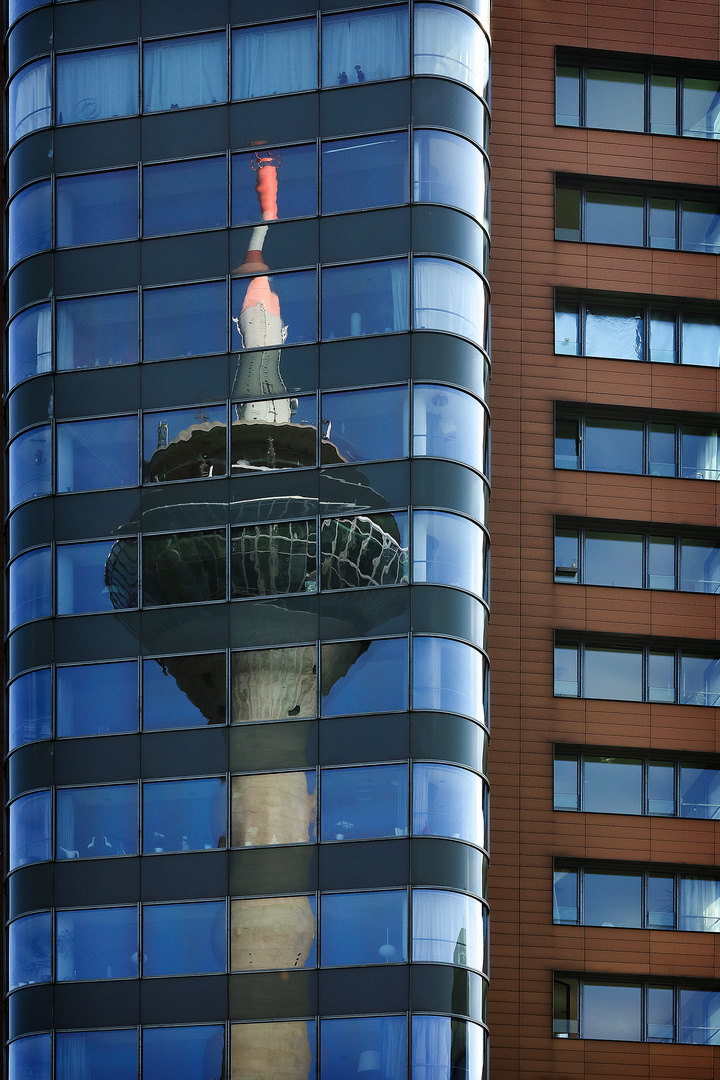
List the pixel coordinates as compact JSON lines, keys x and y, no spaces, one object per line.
{"x":97,"y":331}
{"x":97,"y":84}
{"x":97,"y":208}
{"x":365,"y":46}
{"x":185,"y":196}
{"x":180,"y":73}
{"x":277,"y":59}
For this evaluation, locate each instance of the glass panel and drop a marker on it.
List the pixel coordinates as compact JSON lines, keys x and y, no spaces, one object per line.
{"x":443,"y":1046}
{"x":97,"y":208}
{"x":362,"y":551}
{"x":661,"y":676}
{"x":29,"y":105}
{"x":448,"y":675}
{"x":699,"y":566}
{"x":29,"y":222}
{"x":451,"y":44}
{"x":701,"y":340}
{"x":615,"y":100}
{"x":565,"y":781}
{"x":29,"y":708}
{"x":567,"y":333}
{"x":29,"y":951}
{"x":275,"y":684}
{"x":699,"y":1016}
{"x":699,"y":904}
{"x":29,"y":344}
{"x":447,"y":928}
{"x":186,"y":1053}
{"x":613,"y":559}
{"x":180,"y":444}
{"x":663,"y":104}
{"x":450,"y":170}
{"x":701,"y":108}
{"x":364,"y":45}
{"x":565,"y":896}
{"x":379,"y":928}
{"x":612,"y":1012}
{"x":290,"y":300}
{"x":376,"y":1045}
{"x":612,"y":785}
{"x":567,"y":95}
{"x":293,"y":444}
{"x":614,"y":446}
{"x":110,"y":1054}
{"x":567,"y":213}
{"x":287,"y":1048}
{"x":699,"y":680}
{"x":448,"y":550}
{"x":94,"y":454}
{"x":367,"y":425}
{"x":565,"y":1008}
{"x":616,"y":333}
{"x":16,"y":8}
{"x":81,"y":585}
{"x":660,"y":1014}
{"x":700,"y":226}
{"x":449,"y":424}
{"x":661,"y":450}
{"x":30,"y":465}
{"x":273,"y":559}
{"x":30,"y":829}
{"x":184,"y":939}
{"x":364,"y":803}
{"x":184,"y":691}
{"x":99,"y":944}
{"x":296,"y":171}
{"x":30,"y":1059}
{"x":567,"y":683}
{"x":661,"y":787}
{"x":187,"y":320}
{"x":567,"y":443}
{"x":662,"y":223}
{"x":613,"y":674}
{"x":29,"y":587}
{"x":700,"y":453}
{"x":612,"y":899}
{"x":361,"y":173}
{"x":371,"y":298}
{"x":279,"y":59}
{"x":661,"y":901}
{"x":364,"y":676}
{"x":449,"y":297}
{"x":185,"y":815}
{"x":183,"y":72}
{"x":567,"y":557}
{"x":699,"y":792}
{"x":97,"y":699}
{"x":614,"y":219}
{"x":663,"y":346}
{"x":97,"y":84}
{"x":184,"y":196}
{"x":97,"y":821}
{"x":98,"y":331}
{"x":273,"y":808}
{"x":184,"y":568}
{"x":275,"y":932}
{"x":448,"y":801}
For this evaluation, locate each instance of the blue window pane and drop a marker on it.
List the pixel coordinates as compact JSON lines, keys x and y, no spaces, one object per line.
{"x":614,"y":446}
{"x":273,"y":808}
{"x":16,"y":8}
{"x":190,"y":1053}
{"x":296,"y":171}
{"x":567,"y":95}
{"x":29,"y":950}
{"x":614,"y":559}
{"x":615,"y":99}
{"x":97,"y":84}
{"x":701,"y":108}
{"x":699,"y":1017}
{"x":93,"y":454}
{"x":274,"y":932}
{"x":30,"y":465}
{"x":184,"y":939}
{"x":362,"y":551}
{"x":29,"y":100}
{"x":379,"y":928}
{"x":448,"y":801}
{"x":81,"y":585}
{"x":185,"y":195}
{"x":701,"y":340}
{"x":273,"y":559}
{"x":29,"y":586}
{"x":187,"y":320}
{"x":183,"y":568}
{"x":30,"y":829}
{"x":567,"y":332}
{"x":451,"y":44}
{"x":700,"y":453}
{"x":289,"y":299}
{"x":376,"y":1045}
{"x":29,"y":1059}
{"x":371,"y":298}
{"x":614,"y":219}
{"x":179,"y":444}
{"x":360,"y":173}
{"x":565,"y":782}
{"x":97,"y":822}
{"x":448,"y":423}
{"x":448,"y":928}
{"x":613,"y":673}
{"x":96,"y":208}
{"x":450,"y":297}
{"x":363,"y":803}
{"x":295,"y":443}
{"x":29,"y":708}
{"x":445,"y":1047}
{"x":612,"y":1012}
{"x":612,"y":785}
{"x":699,"y":566}
{"x":612,"y":899}
{"x":366,"y":425}
{"x":110,"y":1054}
{"x":699,"y":680}
{"x":699,"y":792}
{"x":448,"y":675}
{"x":99,"y":944}
{"x":364,"y":676}
{"x":183,"y":691}
{"x":292,"y":674}
{"x":448,"y":550}
{"x":287,"y":1048}
{"x":451,"y":170}
{"x":279,"y":59}
{"x":565,"y":896}
{"x":29,"y":222}
{"x":99,"y":331}
{"x":366,"y":45}
{"x":29,"y":344}
{"x":185,"y":815}
{"x":97,"y":699}
{"x":182,"y":72}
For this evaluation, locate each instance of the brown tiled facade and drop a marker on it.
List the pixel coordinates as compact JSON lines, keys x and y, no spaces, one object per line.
{"x":528,"y":265}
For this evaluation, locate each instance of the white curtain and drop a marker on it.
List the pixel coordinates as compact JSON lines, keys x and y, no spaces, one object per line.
{"x":451,"y":44}
{"x":449,"y":170}
{"x":699,"y":904}
{"x":432,"y":1048}
{"x":97,"y":84}
{"x":279,"y":59}
{"x":447,"y":928}
{"x":29,"y":100}
{"x":365,"y":46}
{"x":400,"y":295}
{"x":185,"y":72}
{"x":449,"y":297}
{"x":71,"y":1058}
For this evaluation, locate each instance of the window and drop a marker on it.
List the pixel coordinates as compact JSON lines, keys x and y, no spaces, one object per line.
{"x":107,"y":1053}
{"x":273,"y":932}
{"x":297,"y":182}
{"x":183,"y":72}
{"x":656,"y":98}
{"x":366,"y":425}
{"x":184,"y":196}
{"x":448,"y":928}
{"x":450,"y":43}
{"x":179,"y":444}
{"x":450,"y":297}
{"x":364,"y":676}
{"x":184,"y":568}
{"x":362,"y":551}
{"x":96,"y":699}
{"x":449,"y":423}
{"x":448,"y":676}
{"x":362,"y":173}
{"x":449,"y":550}
{"x":81,"y":579}
{"x":451,"y":170}
{"x":350,"y":1046}
{"x":30,"y":950}
{"x":29,"y":222}
{"x":365,"y":46}
{"x":184,"y":691}
{"x":97,"y":208}
{"x":291,"y":672}
{"x":29,"y":106}
{"x":97,"y":84}
{"x":190,"y":1053}
{"x":615,"y":782}
{"x":97,"y":331}
{"x":97,"y":822}
{"x":273,"y":808}
{"x":30,"y":465}
{"x":184,"y":320}
{"x":29,"y":708}
{"x":274,"y":1044}
{"x":370,"y":298}
{"x":94,"y":454}
{"x":291,"y":300}
{"x":448,"y":801}
{"x":30,"y":587}
{"x":184,"y":939}
{"x":30,"y":830}
{"x":184,"y":815}
{"x":29,"y":344}
{"x":434,"y":1036}
{"x":277,"y":59}
{"x":379,"y":927}
{"x":100,"y":943}
{"x":364,"y":802}
{"x":635,"y":218}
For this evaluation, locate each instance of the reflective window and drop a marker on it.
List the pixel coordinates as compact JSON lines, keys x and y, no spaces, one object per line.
{"x":699,"y":905}
{"x":97,"y":84}
{"x":448,"y":801}
{"x":451,"y":170}
{"x":371,"y":298}
{"x":448,"y":928}
{"x":288,"y":1045}
{"x":187,"y":1053}
{"x":277,"y":684}
{"x":361,"y":173}
{"x":111,"y":1054}
{"x":638,"y":674}
{"x":701,"y":340}
{"x":612,"y":898}
{"x":29,"y":106}
{"x":186,"y":320}
{"x":448,"y":423}
{"x":448,"y":550}
{"x":184,"y":691}
{"x":699,"y":566}
{"x":296,"y":171}
{"x":184,"y":196}
{"x":97,"y":699}
{"x":700,"y":449}
{"x":97,"y":944}
{"x":615,"y":99}
{"x":29,"y":950}
{"x":183,"y":568}
{"x":364,"y":45}
{"x":29,"y":708}
{"x":364,"y":676}
{"x":699,"y":1010}
{"x":700,"y":226}
{"x":614,"y":219}
{"x":612,"y":1012}
{"x":292,"y":445}
{"x":366,"y":425}
{"x":613,"y":332}
{"x":613,"y":673}
{"x":184,"y":815}
{"x":97,"y":331}
{"x":448,"y":675}
{"x":184,"y":939}
{"x":273,"y":808}
{"x":182,"y":72}
{"x":290,"y":301}
{"x":274,"y":558}
{"x":376,"y":1044}
{"x":450,"y":43}
{"x":699,"y":791}
{"x":29,"y":222}
{"x":613,"y":785}
{"x":701,"y":108}
{"x":276,"y":59}
{"x":96,"y":208}
{"x":449,"y":297}
{"x":81,"y":585}
{"x":29,"y":587}
{"x":274,"y":932}
{"x":179,"y":444}
{"x":437,"y":1038}
{"x":30,"y":465}
{"x":699,"y":680}
{"x":29,"y":344}
{"x":614,"y":446}
{"x":30,"y":1058}
{"x":97,"y":821}
{"x":364,"y":803}
{"x":93,"y":454}
{"x":361,"y":551}
{"x":30,"y":829}
{"x":379,"y":922}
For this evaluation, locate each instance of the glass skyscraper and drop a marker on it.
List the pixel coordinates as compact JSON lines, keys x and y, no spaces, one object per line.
{"x":247,"y":556}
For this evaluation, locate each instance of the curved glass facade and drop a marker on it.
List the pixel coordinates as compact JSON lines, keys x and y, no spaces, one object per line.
{"x":248,"y":463}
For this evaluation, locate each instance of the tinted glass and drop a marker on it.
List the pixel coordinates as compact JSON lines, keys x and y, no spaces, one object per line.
{"x":182,"y":72}
{"x":567,"y":555}
{"x":661,"y":450}
{"x":565,"y":896}
{"x":97,"y":822}
{"x":277,"y":684}
{"x":450,"y":170}
{"x":110,"y":1054}
{"x":185,"y":815}
{"x":30,"y":1058}
{"x":701,"y":108}
{"x":699,"y":792}
{"x":379,"y":922}
{"x":663,"y":104}
{"x":699,"y":680}
{"x":612,"y":1012}
{"x":30,"y":829}
{"x":184,"y":568}
{"x":661,"y":562}
{"x":450,"y":297}
{"x":661,"y":675}
{"x":187,"y":1053}
{"x":97,"y":84}
{"x":361,"y":551}
{"x":97,"y":699}
{"x":567,"y":214}
{"x":296,"y":172}
{"x":289,"y":299}
{"x":371,"y":298}
{"x":661,"y":787}
{"x":29,"y":105}
{"x":614,"y":559}
{"x":378,"y":1043}
{"x":30,"y":587}
{"x":660,"y":1014}
{"x":275,"y":808}
{"x":360,"y":173}
{"x":567,"y":95}
{"x":29,"y":950}
{"x":698,"y":1010}
{"x":365,"y":425}
{"x":96,"y":208}
{"x":663,"y":344}
{"x":184,"y":939}
{"x":29,"y":344}
{"x":279,"y":59}
{"x":700,"y":226}
{"x":184,"y":195}
{"x":100,"y":944}
{"x":615,"y":333}
{"x":179,"y":444}
{"x":700,"y":453}
{"x":447,"y":928}
{"x":276,"y":558}
{"x":81,"y":585}
{"x":449,"y":424}
{"x":448,"y":801}
{"x":99,"y":331}
{"x":615,"y":99}
{"x":567,"y":443}
{"x":29,"y":222}
{"x":275,"y":932}
{"x":448,"y":675}
{"x":662,"y":223}
{"x":29,"y":708}
{"x":363,"y":803}
{"x":614,"y":219}
{"x":612,"y":899}
{"x":699,"y":566}
{"x":451,"y":44}
{"x":615,"y":674}
{"x":288,"y":1045}
{"x":614,"y":446}
{"x":701,"y":341}
{"x":567,"y":329}
{"x":365,"y":45}
{"x":184,"y":691}
{"x":566,"y":782}
{"x":661,"y":901}
{"x":448,"y":550}
{"x":364,"y":676}
{"x":566,"y":671}
{"x":187,"y":320}
{"x":612,"y":785}
{"x":432,"y":1035}
{"x":30,"y":465}
{"x":93,"y":454}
